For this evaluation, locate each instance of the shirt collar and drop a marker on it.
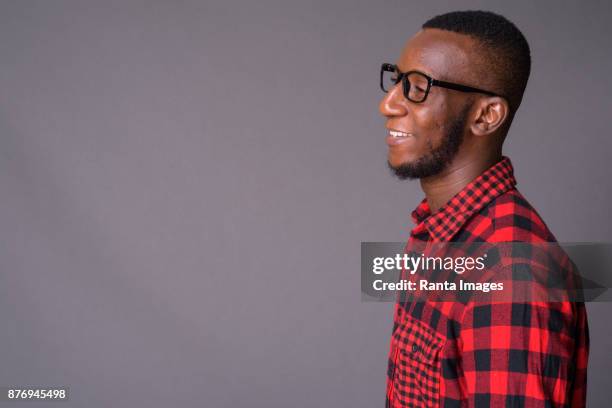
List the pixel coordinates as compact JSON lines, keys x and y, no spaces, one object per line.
{"x":444,"y":224}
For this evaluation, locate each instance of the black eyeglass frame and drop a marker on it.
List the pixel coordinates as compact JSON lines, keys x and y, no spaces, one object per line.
{"x":402,"y":76}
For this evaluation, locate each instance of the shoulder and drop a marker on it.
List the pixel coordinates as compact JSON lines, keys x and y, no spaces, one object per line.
{"x":509,"y":218}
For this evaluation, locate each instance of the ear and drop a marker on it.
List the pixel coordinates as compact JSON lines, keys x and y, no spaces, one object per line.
{"x":491,"y":113}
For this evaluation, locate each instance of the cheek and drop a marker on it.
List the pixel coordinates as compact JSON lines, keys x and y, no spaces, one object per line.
{"x":432,"y":123}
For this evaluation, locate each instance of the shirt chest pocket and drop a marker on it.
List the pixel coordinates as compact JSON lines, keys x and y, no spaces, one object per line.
{"x":417,"y":365}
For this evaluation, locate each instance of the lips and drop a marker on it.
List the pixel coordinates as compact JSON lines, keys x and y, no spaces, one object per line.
{"x":397,"y":137}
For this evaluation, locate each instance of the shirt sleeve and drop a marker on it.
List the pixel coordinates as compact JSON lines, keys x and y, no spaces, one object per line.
{"x":531,"y":354}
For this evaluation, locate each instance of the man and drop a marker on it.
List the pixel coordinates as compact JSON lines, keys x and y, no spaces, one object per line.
{"x":450,"y":99}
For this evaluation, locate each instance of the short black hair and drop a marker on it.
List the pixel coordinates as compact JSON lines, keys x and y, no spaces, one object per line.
{"x":507,"y":58}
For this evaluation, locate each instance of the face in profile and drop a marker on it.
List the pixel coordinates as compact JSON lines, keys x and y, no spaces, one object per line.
{"x":424,"y":137}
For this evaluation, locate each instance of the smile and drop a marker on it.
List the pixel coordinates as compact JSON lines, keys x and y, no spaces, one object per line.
{"x":397,"y":138}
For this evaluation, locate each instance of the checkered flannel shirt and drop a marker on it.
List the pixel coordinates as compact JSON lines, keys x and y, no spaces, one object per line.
{"x":498,"y":354}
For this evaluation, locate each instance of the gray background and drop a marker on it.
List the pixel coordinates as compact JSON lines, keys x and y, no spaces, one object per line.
{"x":185,"y":186}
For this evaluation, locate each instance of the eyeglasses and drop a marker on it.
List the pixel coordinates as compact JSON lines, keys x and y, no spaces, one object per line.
{"x":416,"y":85}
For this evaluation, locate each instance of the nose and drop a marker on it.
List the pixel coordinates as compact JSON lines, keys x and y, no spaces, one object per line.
{"x":393,"y":103}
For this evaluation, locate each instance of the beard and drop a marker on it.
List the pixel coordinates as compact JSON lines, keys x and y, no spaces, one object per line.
{"x":437,"y":159}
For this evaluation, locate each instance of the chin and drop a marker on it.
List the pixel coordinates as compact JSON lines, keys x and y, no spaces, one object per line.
{"x":396,"y":163}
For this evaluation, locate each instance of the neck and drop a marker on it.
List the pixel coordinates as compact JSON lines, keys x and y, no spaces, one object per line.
{"x":439,"y":189}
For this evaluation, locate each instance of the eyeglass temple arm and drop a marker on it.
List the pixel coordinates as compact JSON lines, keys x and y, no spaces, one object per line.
{"x":457,"y":87}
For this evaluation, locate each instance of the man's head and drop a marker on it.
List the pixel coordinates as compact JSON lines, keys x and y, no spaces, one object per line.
{"x":472,"y":48}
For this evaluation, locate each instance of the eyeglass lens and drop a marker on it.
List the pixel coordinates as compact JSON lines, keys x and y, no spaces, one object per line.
{"x":417,"y":84}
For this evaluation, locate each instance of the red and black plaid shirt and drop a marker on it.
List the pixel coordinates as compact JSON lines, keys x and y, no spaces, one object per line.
{"x":498,"y":354}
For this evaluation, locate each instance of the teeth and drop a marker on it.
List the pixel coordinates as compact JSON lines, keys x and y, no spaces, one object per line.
{"x":396,"y":133}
